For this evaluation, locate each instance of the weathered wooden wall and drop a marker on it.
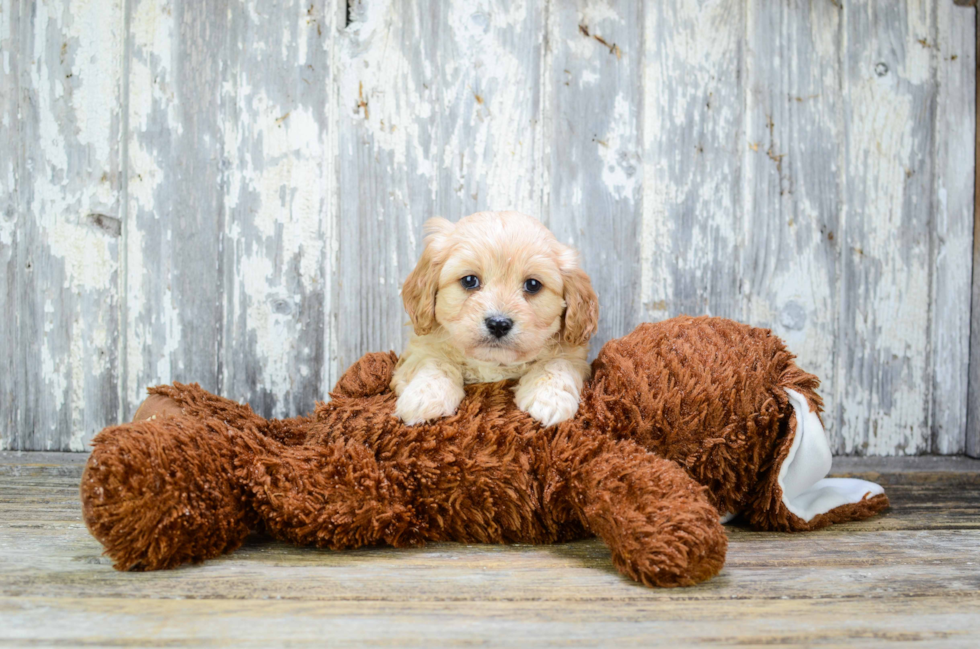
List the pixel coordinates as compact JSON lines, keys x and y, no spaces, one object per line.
{"x":232,"y":192}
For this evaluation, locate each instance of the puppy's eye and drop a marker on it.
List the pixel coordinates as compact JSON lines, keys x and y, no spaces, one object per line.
{"x":470,"y":282}
{"x":532,"y":286}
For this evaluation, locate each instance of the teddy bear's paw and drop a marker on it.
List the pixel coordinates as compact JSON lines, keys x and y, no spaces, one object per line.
{"x":549,"y":402}
{"x":425,"y":400}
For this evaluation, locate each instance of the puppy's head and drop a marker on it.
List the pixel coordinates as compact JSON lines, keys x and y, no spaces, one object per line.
{"x":500,"y":287}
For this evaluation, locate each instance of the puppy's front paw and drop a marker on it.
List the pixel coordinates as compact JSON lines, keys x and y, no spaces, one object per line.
{"x":549,"y":402}
{"x":431,"y":398}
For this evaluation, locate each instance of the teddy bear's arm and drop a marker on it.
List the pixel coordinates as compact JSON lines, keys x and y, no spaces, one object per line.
{"x":193,"y":401}
{"x":196,"y":404}
{"x":657,"y":521}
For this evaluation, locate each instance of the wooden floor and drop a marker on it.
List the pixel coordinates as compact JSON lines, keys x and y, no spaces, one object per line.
{"x":911,"y":576}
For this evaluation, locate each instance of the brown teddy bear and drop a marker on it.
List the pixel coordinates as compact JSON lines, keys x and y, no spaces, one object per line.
{"x":683,"y":423}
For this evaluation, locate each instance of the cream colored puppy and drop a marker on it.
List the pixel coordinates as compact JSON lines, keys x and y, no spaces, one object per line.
{"x":494,"y":297}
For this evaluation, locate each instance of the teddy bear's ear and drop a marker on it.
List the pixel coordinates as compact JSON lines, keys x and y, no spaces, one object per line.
{"x":581,"y":303}
{"x":421,"y":285}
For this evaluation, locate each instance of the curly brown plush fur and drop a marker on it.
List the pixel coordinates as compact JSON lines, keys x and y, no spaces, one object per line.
{"x":682,"y":420}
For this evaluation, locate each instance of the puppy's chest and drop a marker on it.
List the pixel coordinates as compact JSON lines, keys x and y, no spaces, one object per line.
{"x":480,"y":372}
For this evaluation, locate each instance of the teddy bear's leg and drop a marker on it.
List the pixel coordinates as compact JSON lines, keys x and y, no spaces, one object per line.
{"x":369,"y":375}
{"x":158,"y":493}
{"x":191,"y":400}
{"x":657,"y":521}
{"x":795,"y":495}
{"x":337,"y":495}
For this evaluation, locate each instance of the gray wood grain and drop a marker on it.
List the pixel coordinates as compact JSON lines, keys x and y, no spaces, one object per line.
{"x":973,"y":389}
{"x":229,"y":115}
{"x":232,"y":193}
{"x":60,"y":114}
{"x":889,"y":108}
{"x":937,"y":621}
{"x":790,"y":183}
{"x":175,"y":218}
{"x":278,"y":202}
{"x":955,"y":61}
{"x":593,"y":134}
{"x":693,"y":142}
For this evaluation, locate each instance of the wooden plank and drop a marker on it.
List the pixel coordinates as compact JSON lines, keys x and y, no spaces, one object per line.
{"x":883,"y":381}
{"x":692,"y":150}
{"x":955,"y":126}
{"x":39,"y":463}
{"x":905,"y":464}
{"x":791,"y":190}
{"x":175,"y":219}
{"x":891,"y":563}
{"x":973,"y":401}
{"x":231,"y":200}
{"x":256,"y":622}
{"x":759,"y":567}
{"x":438,"y":112}
{"x":487,"y":120}
{"x":593,"y":146}
{"x":938,"y":621}
{"x":60,"y":98}
{"x":276,"y":130}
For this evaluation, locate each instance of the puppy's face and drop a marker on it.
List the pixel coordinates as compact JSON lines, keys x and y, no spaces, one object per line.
{"x":500,"y":286}
{"x":500,"y":299}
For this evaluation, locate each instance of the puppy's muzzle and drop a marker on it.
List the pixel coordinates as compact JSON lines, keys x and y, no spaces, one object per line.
{"x":498,"y":326}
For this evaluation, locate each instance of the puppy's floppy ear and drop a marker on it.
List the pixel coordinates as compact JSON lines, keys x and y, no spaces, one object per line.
{"x":581,"y":304}
{"x":419,"y":289}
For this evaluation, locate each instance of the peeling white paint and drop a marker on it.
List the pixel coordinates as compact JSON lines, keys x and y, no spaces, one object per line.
{"x":955,"y":164}
{"x":391,"y":102}
{"x":95,"y":28}
{"x":170,"y":317}
{"x":690,"y":221}
{"x":73,"y":75}
{"x":274,"y":335}
{"x":656,"y":279}
{"x":330,"y":372}
{"x":494,"y":83}
{"x":138,"y":338}
{"x":598,"y":11}
{"x":288,"y":183}
{"x":286,"y":186}
{"x":619,"y":162}
{"x":920,"y":39}
{"x":588,"y":78}
{"x":151,"y":67}
{"x":53,"y":374}
{"x":790,"y":192}
{"x":884,"y":406}
{"x":89,"y":264}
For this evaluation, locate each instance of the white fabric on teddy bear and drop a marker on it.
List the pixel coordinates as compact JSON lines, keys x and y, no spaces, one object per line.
{"x":806,"y":492}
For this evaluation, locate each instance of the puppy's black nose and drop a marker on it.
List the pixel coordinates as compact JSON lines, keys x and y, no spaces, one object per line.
{"x":498,"y":326}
